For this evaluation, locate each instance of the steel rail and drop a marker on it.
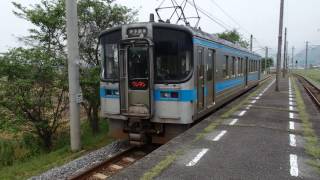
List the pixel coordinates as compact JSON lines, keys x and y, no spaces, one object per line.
{"x":309,"y":91}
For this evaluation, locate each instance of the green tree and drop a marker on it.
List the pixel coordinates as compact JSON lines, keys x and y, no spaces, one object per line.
{"x":269,"y":63}
{"x":34,"y":91}
{"x":94,"y":16}
{"x":234,"y":37}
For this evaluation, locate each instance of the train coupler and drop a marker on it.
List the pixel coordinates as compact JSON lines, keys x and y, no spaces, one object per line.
{"x":137,"y":139}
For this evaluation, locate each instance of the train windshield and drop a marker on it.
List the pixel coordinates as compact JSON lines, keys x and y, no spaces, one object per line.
{"x":173,"y":55}
{"x":138,"y":62}
{"x":110,"y":61}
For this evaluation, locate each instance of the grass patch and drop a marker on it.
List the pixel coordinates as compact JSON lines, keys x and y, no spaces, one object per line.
{"x":312,"y":146}
{"x":313,"y":74}
{"x":156,"y":170}
{"x":44,"y":161}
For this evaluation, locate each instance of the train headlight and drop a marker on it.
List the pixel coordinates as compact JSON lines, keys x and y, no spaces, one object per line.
{"x":116,"y":92}
{"x":165,"y":95}
{"x":172,"y":94}
{"x":175,"y":95}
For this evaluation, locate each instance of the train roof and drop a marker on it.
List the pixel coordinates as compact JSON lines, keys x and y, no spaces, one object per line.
{"x":193,"y":31}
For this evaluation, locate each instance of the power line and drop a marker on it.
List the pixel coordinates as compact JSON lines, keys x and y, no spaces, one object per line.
{"x":208,"y":15}
{"x":229,"y":16}
{"x":236,"y":22}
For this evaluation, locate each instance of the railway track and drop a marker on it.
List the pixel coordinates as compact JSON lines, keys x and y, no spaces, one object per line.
{"x":312,"y":90}
{"x":114,"y":164}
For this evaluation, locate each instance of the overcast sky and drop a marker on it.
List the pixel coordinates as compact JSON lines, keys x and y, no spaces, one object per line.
{"x":259,"y":17}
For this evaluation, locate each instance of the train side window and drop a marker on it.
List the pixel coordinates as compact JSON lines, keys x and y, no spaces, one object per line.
{"x":239,"y":64}
{"x":253,"y":66}
{"x":210,"y":64}
{"x":241,"y":67}
{"x":233,"y":67}
{"x":256,"y":65}
{"x":225,"y":68}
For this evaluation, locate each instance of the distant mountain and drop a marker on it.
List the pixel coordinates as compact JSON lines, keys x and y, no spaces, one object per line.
{"x":313,"y":56}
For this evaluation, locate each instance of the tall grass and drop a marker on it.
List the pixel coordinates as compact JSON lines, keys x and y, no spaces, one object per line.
{"x":35,"y":161}
{"x":313,"y":74}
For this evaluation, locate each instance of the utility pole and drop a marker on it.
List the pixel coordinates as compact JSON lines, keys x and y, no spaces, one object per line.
{"x":266,"y":60}
{"x":292,"y":65}
{"x":306,"y":66}
{"x":284,"y":53}
{"x":75,"y":95}
{"x":287,"y":57}
{"x":279,"y":45}
{"x":251,"y":39}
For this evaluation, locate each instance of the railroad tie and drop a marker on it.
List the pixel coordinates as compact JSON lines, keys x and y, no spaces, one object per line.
{"x":128,"y":159}
{"x":115,"y":167}
{"x":100,"y":176}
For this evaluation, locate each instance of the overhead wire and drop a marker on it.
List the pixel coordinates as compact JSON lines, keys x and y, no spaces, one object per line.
{"x":236,"y":22}
{"x":219,"y":22}
{"x":208,"y":15}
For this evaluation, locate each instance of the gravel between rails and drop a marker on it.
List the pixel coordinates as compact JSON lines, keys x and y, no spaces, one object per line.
{"x":83,"y":162}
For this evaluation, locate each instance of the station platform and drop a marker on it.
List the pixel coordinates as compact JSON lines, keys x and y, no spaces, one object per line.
{"x":258,"y":136}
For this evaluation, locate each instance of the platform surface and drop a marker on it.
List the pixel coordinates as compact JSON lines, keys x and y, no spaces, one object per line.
{"x":259,"y":136}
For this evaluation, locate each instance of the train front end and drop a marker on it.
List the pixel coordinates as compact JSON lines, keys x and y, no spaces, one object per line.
{"x":147,"y":91}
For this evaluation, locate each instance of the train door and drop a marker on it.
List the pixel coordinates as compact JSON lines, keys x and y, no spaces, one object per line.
{"x":246,"y":71}
{"x":210,"y":69}
{"x":136,"y":85}
{"x":201,"y":80}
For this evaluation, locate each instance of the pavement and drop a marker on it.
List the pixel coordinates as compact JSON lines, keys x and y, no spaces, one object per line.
{"x":261,"y":139}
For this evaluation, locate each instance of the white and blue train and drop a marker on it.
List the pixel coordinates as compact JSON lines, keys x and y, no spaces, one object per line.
{"x":158,"y":78}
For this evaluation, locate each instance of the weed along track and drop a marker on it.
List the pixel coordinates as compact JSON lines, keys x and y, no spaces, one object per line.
{"x":114,"y":164}
{"x":313,"y":91}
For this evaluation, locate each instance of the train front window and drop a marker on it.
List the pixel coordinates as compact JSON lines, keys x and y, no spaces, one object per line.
{"x":173,"y":55}
{"x":138,"y":62}
{"x":111,"y":61}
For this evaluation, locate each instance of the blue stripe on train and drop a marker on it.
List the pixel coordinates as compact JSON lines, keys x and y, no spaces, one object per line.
{"x":221,"y":86}
{"x":191,"y":94}
{"x":184,"y":95}
{"x":253,"y":77}
{"x":112,"y":93}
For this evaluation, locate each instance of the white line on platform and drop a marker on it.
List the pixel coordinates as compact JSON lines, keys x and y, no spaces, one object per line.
{"x":292,"y":140}
{"x":290,"y":103}
{"x":233,"y":122}
{"x":291,"y":99}
{"x":294,"y":171}
{"x":242,"y":113}
{"x":249,"y":106}
{"x":198,"y":157}
{"x":291,"y":108}
{"x":260,"y":94}
{"x":254,"y":101}
{"x":291,"y":115}
{"x":219,"y":136}
{"x":291,"y":125}
{"x":257,"y":98}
